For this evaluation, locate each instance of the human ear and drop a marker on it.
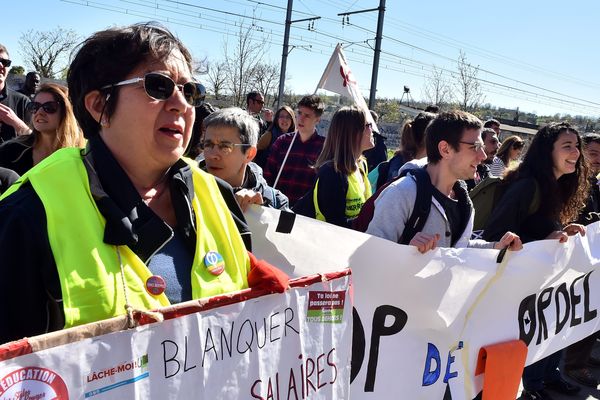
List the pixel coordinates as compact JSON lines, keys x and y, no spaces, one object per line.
{"x":95,"y":104}
{"x":444,"y":148}
{"x":250,"y":153}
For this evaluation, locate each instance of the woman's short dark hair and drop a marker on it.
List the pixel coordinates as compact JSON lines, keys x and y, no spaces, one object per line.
{"x":563,"y":198}
{"x":110,"y":55}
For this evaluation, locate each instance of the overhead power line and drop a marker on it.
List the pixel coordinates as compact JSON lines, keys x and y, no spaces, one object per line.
{"x":314,"y":42}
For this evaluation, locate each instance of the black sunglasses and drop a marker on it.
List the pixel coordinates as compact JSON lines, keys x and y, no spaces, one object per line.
{"x":5,"y":62}
{"x":161,"y":87}
{"x":49,"y":107}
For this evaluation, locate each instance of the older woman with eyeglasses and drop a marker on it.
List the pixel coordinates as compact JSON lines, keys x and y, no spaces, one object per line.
{"x":126,"y":224}
{"x":53,"y":127}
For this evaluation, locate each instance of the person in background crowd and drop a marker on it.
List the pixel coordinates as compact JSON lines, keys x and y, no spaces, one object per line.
{"x":283,"y":122}
{"x":31,"y":84}
{"x":342,"y":185}
{"x":13,"y":117}
{"x":510,"y":151}
{"x":293,"y":155}
{"x":578,"y":356}
{"x":202,"y":110}
{"x":142,"y":227}
{"x":491,"y":146}
{"x":7,"y":178}
{"x":378,"y":153}
{"x":229,"y":146}
{"x":410,"y":154}
{"x":415,"y":142}
{"x":54,"y":127}
{"x":493,"y":124}
{"x":255,"y":104}
{"x":454,"y":148}
{"x":553,"y":170}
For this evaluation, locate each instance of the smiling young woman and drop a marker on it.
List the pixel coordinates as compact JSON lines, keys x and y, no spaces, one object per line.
{"x":554,"y":175}
{"x":53,"y":127}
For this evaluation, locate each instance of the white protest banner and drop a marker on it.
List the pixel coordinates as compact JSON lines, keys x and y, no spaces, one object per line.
{"x":421,"y":319}
{"x":338,"y":78}
{"x":280,"y":346}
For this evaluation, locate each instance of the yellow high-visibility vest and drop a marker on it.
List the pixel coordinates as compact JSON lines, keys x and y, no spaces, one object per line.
{"x":89,"y":269}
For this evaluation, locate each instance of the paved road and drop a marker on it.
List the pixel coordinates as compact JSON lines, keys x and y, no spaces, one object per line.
{"x":586,"y":393}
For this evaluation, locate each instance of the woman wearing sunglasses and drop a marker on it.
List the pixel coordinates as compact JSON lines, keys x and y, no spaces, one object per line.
{"x":143,"y":227}
{"x":284,"y":122}
{"x":53,"y":127}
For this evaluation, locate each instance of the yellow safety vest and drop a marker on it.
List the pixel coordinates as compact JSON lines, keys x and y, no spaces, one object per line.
{"x":89,"y":269}
{"x":359,"y":190}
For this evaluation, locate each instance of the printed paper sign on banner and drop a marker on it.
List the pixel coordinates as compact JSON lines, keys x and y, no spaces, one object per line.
{"x":295,"y":345}
{"x":421,"y":319}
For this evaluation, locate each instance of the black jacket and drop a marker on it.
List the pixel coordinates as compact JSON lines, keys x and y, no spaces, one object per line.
{"x":254,"y":180}
{"x":591,"y":212}
{"x":18,"y":103}
{"x":512,"y":213}
{"x":31,"y":294}
{"x":7,"y":178}
{"x":483,"y":170}
{"x":17,"y":154}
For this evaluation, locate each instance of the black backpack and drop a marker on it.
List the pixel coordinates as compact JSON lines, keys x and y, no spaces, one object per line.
{"x":420,"y":211}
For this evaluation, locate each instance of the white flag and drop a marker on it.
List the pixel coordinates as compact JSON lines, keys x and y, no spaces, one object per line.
{"x":338,"y":78}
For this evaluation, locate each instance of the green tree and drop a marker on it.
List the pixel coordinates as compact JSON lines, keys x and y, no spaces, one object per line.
{"x":17,"y":70}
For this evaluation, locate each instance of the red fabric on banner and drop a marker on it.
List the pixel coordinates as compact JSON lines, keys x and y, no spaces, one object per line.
{"x":503,"y":365}
{"x":15,"y":349}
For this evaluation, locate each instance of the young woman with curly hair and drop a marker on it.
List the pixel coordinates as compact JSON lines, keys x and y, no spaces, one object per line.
{"x":553,"y":174}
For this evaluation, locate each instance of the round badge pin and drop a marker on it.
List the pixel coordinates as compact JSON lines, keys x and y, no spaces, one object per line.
{"x":214,"y":262}
{"x":156,"y":285}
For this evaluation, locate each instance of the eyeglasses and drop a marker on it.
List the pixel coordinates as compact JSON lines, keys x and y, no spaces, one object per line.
{"x":5,"y":62}
{"x":261,"y":102}
{"x":475,"y":145}
{"x":284,"y":116}
{"x":49,"y":107}
{"x":224,"y":147}
{"x":161,"y":87}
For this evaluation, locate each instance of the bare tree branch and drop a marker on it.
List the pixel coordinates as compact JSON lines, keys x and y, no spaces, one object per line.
{"x":437,"y":90}
{"x":467,"y":85}
{"x":216,"y":78}
{"x":241,"y":63}
{"x":47,"y":51}
{"x":266,"y":79}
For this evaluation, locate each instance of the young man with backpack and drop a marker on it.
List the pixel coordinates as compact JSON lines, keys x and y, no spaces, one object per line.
{"x":454,"y":150}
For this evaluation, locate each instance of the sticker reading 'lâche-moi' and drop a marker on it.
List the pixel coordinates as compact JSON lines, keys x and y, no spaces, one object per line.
{"x":326,"y":307}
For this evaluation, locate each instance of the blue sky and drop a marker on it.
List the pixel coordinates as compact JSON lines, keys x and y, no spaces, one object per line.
{"x":540,"y":56}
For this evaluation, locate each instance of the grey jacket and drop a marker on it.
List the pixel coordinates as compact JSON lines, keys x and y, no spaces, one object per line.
{"x":394,"y":206}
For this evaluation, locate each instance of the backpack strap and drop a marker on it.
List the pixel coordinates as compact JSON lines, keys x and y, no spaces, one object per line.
{"x":422,"y":205}
{"x":382,"y":170}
